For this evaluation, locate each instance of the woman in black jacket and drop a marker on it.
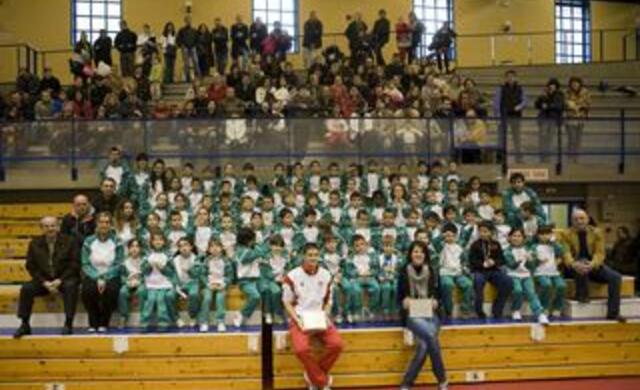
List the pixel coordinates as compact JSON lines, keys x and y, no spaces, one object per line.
{"x":417,"y":281}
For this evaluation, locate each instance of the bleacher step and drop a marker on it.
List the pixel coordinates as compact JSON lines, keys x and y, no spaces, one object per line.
{"x":597,"y":308}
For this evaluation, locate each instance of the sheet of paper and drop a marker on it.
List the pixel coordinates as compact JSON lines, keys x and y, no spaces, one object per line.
{"x":420,"y":308}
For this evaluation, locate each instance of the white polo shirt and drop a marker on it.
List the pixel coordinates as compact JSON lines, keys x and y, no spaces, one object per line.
{"x":307,"y":292}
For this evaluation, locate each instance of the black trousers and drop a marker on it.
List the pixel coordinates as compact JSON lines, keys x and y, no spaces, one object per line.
{"x":30,"y":290}
{"x":100,"y":306}
{"x":604,"y":275}
{"x":378,"y":54}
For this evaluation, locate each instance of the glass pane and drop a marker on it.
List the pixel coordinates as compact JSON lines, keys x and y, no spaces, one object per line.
{"x":430,"y":14}
{"x":113,"y":10}
{"x":99,"y":23}
{"x":113,"y":24}
{"x":260,"y":4}
{"x":566,"y":24}
{"x":98,"y":8}
{"x":288,"y":5}
{"x":577,"y":38}
{"x":260,"y":14}
{"x":83,"y":9}
{"x":273,"y":16}
{"x":83,"y":23}
{"x":288,"y":19}
{"x":441,"y":15}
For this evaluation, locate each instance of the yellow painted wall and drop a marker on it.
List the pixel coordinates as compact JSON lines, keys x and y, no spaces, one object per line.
{"x":46,"y":25}
{"x":605,"y":16}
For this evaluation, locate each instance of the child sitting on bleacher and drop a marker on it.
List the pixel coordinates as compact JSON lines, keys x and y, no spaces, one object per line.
{"x":514,"y":197}
{"x":453,"y":270}
{"x":187,"y":266}
{"x":227,"y":234}
{"x":132,"y":281}
{"x":389,"y":266}
{"x":160,"y":284}
{"x":216,"y":277}
{"x":248,"y":257}
{"x":520,"y":262}
{"x":332,"y":260}
{"x":286,"y":228}
{"x":272,"y":270}
{"x":202,"y":230}
{"x":175,"y":231}
{"x":362,"y":270}
{"x":549,"y":255}
{"x":485,"y":208}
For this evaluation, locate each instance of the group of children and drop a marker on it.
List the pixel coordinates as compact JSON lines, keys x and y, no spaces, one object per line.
{"x":193,"y":237}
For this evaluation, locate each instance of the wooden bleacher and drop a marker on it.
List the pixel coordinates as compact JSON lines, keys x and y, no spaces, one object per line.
{"x":151,"y":362}
{"x":494,"y":353}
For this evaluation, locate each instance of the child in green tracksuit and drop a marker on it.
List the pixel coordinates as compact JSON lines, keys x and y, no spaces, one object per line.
{"x":286,"y":228}
{"x":160,"y":283}
{"x":132,"y":283}
{"x":216,"y":277}
{"x":363,"y":228}
{"x":452,"y":266}
{"x":175,"y":232}
{"x":389,"y":228}
{"x":248,"y":257}
{"x":332,"y":260}
{"x":520,"y":262}
{"x":272,"y":270}
{"x":362,"y":270}
{"x":187,"y":266}
{"x":549,"y":254}
{"x":389,"y":264}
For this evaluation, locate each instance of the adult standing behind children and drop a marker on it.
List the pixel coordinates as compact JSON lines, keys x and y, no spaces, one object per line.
{"x":52,"y":262}
{"x":308,"y":289}
{"x":418,"y":281}
{"x":586,"y":245}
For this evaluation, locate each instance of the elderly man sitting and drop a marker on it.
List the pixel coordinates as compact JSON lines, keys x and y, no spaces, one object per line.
{"x":585,"y":243}
{"x":52,"y":262}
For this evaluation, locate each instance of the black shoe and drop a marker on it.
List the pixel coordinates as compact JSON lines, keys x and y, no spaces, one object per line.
{"x":482,"y":316}
{"x":618,"y":318}
{"x":23,"y":330}
{"x":67,"y":330}
{"x":584,"y":299}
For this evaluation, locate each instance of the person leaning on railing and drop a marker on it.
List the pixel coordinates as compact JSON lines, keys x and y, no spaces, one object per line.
{"x":578,"y":104}
{"x":550,"y":105}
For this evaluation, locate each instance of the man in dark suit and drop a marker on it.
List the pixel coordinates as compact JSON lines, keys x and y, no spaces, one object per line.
{"x":52,"y":262}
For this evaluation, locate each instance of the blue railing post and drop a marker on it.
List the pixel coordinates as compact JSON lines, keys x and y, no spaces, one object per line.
{"x":74,"y":168}
{"x":559,"y":155}
{"x":623,"y":146}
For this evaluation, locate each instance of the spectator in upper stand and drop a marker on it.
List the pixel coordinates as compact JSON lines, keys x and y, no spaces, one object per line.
{"x":125,"y":43}
{"x":3,"y":107}
{"x":79,"y":223}
{"x":44,"y":106}
{"x":83,"y":46}
{"x":585,"y":243}
{"x":217,"y":89}
{"x":50,"y":82}
{"x":27,"y":82}
{"x":220,"y":36}
{"x":102,"y":49}
{"x":107,"y":199}
{"x":205,"y":50}
{"x":441,"y":45}
{"x":577,"y":105}
{"x":187,"y":40}
{"x":509,"y":102}
{"x":52,"y":263}
{"x":417,"y":32}
{"x":82,"y":108}
{"x":621,"y":257}
{"x":312,"y":39}
{"x":550,"y":107}
{"x":381,"y":32}
{"x":354,"y":32}
{"x":403,"y":38}
{"x":239,"y":45}
{"x":148,"y":46}
{"x":232,"y":106}
{"x":143,"y":86}
{"x":282,"y":41}
{"x":257,"y":34}
{"x":169,"y":50}
{"x":246,"y":91}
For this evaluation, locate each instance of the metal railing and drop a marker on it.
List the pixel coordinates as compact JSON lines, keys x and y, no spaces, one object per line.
{"x":75,"y":147}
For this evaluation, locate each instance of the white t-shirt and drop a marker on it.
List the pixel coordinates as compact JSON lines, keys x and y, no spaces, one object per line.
{"x":307,"y":292}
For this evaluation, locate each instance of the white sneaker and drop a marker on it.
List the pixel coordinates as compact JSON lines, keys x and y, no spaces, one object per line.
{"x":516,"y":315}
{"x":443,"y":386}
{"x":329,"y":383}
{"x":237,"y":321}
{"x":307,"y":381}
{"x":268,"y":319}
{"x":102,"y":329}
{"x":222,"y":327}
{"x":192,"y":323}
{"x":204,"y":328}
{"x":91,"y":330}
{"x":543,"y":319}
{"x":350,"y":318}
{"x":180,"y":323}
{"x":338,"y":319}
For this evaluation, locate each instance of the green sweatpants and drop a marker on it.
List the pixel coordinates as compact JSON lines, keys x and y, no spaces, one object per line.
{"x":388,"y":291}
{"x":546,"y":284}
{"x":349,"y":303}
{"x":371,"y":286}
{"x":162,"y":304}
{"x":249,"y":288}
{"x":192,"y":289}
{"x":524,"y":287}
{"x":271,"y":292}
{"x":464,"y":283}
{"x":124,"y":298}
{"x":205,"y":307}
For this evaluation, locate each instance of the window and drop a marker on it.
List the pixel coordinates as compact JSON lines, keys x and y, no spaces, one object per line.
{"x":94,"y":15}
{"x":573,"y":31}
{"x":283,"y":11}
{"x":432,"y":13}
